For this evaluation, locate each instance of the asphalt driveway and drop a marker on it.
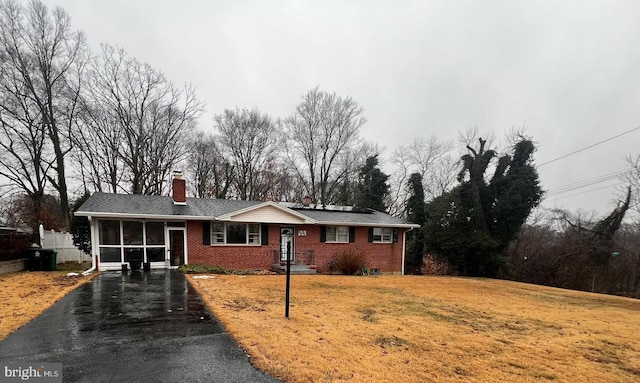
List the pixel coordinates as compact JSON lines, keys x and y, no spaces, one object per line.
{"x":144,"y":327}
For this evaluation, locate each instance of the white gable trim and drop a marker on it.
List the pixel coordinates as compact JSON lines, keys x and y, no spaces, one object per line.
{"x":286,"y":215}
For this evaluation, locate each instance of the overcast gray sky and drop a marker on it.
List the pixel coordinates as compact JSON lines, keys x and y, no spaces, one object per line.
{"x":567,"y":70}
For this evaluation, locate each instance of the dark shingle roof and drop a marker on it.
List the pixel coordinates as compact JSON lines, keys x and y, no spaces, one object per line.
{"x":108,"y":204}
{"x":153,"y":205}
{"x":350,"y":217}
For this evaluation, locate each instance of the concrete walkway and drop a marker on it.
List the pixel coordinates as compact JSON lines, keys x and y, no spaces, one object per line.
{"x":144,"y":327}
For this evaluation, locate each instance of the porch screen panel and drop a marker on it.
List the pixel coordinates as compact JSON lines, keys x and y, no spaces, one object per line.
{"x":124,"y":241}
{"x":132,"y":232}
{"x":109,"y":232}
{"x":109,"y":238}
{"x":155,"y":254}
{"x":110,"y":254}
{"x":155,"y":233}
{"x":133,"y":254}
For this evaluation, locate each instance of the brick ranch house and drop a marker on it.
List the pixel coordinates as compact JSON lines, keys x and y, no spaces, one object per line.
{"x":169,"y":231}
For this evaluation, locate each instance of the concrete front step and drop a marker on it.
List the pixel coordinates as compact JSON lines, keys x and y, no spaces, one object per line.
{"x":295,"y":269}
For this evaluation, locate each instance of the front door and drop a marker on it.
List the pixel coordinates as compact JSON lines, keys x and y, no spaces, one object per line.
{"x":177,"y":247}
{"x":287,"y":244}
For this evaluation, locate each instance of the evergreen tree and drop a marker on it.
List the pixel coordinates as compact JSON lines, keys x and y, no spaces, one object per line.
{"x":473,"y":224}
{"x":372,"y":187}
{"x":80,"y":228}
{"x":416,"y":213}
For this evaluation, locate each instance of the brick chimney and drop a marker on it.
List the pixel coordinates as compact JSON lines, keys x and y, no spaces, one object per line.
{"x":179,"y":189}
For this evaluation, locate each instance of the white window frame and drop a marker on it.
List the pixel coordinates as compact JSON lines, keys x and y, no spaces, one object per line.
{"x":123,"y":247}
{"x":382,"y":235}
{"x":218,"y":237}
{"x":337,"y":234}
{"x":252,"y":238}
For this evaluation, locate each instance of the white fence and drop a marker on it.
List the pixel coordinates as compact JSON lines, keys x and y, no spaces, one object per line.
{"x":62,"y":243}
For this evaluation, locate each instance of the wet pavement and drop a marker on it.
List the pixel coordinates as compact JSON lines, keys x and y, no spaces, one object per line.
{"x":140,"y":327}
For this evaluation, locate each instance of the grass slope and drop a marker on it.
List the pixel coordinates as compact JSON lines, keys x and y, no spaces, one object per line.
{"x":422,"y":329}
{"x":25,"y":295}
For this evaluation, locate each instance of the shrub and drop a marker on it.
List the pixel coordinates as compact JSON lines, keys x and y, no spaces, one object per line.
{"x":207,"y":269}
{"x":349,"y":262}
{"x":432,"y":265}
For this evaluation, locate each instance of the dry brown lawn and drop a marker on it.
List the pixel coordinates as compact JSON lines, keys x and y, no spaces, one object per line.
{"x":25,"y":295}
{"x":422,"y":329}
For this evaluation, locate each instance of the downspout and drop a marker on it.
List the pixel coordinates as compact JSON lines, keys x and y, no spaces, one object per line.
{"x":404,"y":246}
{"x":93,"y":255}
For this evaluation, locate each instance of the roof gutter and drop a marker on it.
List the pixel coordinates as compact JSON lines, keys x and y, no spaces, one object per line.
{"x":144,"y":216}
{"x":409,"y":226}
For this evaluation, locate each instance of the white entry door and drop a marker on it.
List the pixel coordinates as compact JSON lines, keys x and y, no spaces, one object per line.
{"x":287,"y":244}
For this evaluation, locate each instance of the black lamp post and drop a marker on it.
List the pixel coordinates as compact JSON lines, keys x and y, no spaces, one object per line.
{"x":288,"y":287}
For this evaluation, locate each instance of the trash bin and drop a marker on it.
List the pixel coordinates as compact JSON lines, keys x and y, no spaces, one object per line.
{"x":49,"y":260}
{"x":35,"y":259}
{"x":42,"y":259}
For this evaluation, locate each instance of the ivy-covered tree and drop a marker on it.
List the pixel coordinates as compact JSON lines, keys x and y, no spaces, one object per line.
{"x":372,"y":188}
{"x":473,"y":224}
{"x":416,"y":213}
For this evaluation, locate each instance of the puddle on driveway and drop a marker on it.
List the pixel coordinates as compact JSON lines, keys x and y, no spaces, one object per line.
{"x":142,"y":305}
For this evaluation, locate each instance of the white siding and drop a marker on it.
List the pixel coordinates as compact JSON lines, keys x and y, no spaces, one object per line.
{"x":268,"y":214}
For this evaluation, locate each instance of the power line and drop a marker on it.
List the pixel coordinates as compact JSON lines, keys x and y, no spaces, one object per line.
{"x":586,"y":191}
{"x":587,"y":182}
{"x":589,"y":147}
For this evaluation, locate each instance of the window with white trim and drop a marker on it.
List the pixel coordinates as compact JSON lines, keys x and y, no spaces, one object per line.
{"x":382,"y":235}
{"x":338,"y":234}
{"x":235,"y":233}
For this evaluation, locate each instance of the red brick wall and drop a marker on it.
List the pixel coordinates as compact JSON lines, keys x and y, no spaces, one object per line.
{"x":254,"y":257}
{"x":384,"y":256}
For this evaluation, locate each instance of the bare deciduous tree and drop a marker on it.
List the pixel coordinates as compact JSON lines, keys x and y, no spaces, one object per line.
{"x":249,"y":139}
{"x":323,"y":129}
{"x":97,"y":159}
{"x":42,"y":60}
{"x":24,"y":158}
{"x":131,"y":107}
{"x":432,"y":159}
{"x":211,"y":174}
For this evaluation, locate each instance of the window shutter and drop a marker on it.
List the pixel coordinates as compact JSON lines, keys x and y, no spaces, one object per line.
{"x":206,"y":233}
{"x":370,"y":239}
{"x":323,"y":234}
{"x":264,"y":234}
{"x":352,"y":234}
{"x":395,"y":234}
